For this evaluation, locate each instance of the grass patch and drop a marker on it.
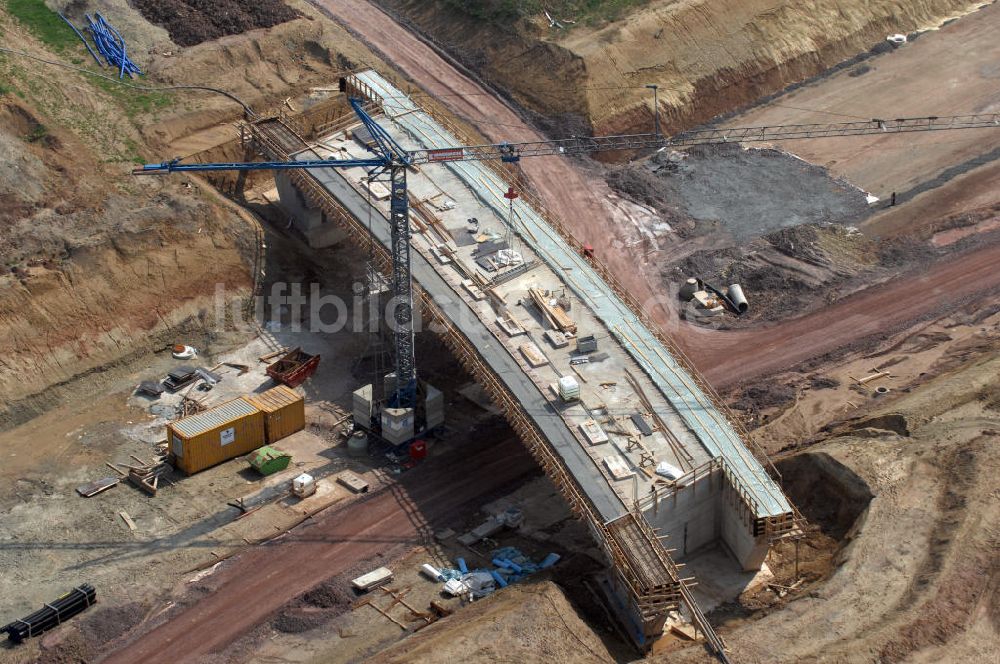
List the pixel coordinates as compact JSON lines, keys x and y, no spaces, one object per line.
{"x":37,"y":134}
{"x":133,"y":102}
{"x":43,"y":23}
{"x":132,"y":152}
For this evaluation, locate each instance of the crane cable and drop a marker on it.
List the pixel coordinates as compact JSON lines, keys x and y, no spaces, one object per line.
{"x":170,"y":88}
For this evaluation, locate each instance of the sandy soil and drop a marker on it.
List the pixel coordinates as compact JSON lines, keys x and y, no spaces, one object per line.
{"x":934,"y":460}
{"x":898,"y":498}
{"x":355,"y":632}
{"x":78,"y":230}
{"x":778,"y":225}
{"x":844,"y":620}
{"x":484,"y":632}
{"x":100,"y":271}
{"x":970,"y":192}
{"x":569,"y":191}
{"x":951,"y":71}
{"x":913,"y":467}
{"x":735,"y":356}
{"x":188,"y":526}
{"x":70,"y":249}
{"x":575,"y":196}
{"x":815,"y":397}
{"x":925,"y":543}
{"x":55,"y":537}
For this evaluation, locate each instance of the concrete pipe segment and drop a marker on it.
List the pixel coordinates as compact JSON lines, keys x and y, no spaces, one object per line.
{"x":739,"y":300}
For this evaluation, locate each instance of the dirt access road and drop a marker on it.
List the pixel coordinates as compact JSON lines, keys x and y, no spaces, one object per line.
{"x":577,"y":198}
{"x":876,"y":311}
{"x":259,"y":582}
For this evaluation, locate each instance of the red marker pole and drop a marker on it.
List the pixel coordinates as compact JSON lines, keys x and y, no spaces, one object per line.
{"x":510,"y":196}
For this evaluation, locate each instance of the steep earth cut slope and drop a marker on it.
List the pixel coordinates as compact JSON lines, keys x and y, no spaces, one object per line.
{"x":98,"y":267}
{"x":708,"y":57}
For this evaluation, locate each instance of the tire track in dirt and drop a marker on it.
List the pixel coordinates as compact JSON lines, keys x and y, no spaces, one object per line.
{"x":570,"y":193}
{"x":730,"y":357}
{"x":960,"y":565}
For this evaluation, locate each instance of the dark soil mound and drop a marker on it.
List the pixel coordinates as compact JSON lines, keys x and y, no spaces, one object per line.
{"x":296,"y":621}
{"x":191,"y":22}
{"x":761,"y":396}
{"x":823,"y":383}
{"x":330,"y":596}
{"x":108,"y":623}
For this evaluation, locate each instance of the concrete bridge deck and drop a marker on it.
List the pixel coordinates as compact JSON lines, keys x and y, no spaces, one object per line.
{"x":608,"y":504}
{"x":686,"y":397}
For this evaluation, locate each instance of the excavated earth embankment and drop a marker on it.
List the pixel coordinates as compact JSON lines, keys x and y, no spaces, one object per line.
{"x":99,"y":268}
{"x":707,"y":57}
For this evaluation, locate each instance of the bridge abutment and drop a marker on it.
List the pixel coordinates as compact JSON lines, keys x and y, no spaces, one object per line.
{"x":702,"y":510}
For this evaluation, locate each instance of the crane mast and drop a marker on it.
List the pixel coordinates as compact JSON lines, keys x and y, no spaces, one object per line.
{"x":402,"y":290}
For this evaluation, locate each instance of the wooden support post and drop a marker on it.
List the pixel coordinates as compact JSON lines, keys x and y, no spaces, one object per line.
{"x":379,"y":609}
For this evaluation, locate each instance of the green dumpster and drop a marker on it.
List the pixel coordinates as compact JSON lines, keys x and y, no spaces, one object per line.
{"x":268,"y":460}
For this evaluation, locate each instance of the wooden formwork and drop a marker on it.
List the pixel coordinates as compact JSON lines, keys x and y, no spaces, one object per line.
{"x":637,"y":556}
{"x":631,"y":546}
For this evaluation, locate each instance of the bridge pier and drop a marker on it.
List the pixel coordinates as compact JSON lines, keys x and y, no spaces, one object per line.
{"x":311,"y":221}
{"x":749,"y":549}
{"x":643,"y":631}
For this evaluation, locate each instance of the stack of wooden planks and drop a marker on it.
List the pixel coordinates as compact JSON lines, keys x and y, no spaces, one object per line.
{"x":425,"y":217}
{"x":554,"y":314}
{"x":533,"y":354}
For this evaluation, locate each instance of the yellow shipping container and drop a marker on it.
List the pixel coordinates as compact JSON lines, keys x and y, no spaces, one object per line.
{"x":227,"y":431}
{"x":284,"y":412}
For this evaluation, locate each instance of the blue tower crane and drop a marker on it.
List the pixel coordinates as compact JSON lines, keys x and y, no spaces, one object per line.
{"x":389,"y":157}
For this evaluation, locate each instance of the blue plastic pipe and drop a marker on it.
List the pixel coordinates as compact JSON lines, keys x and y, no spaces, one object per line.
{"x":514,"y":566}
{"x":549,"y":561}
{"x":83,"y":39}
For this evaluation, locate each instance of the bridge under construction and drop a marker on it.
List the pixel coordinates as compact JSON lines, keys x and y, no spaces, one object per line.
{"x":518,"y":324}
